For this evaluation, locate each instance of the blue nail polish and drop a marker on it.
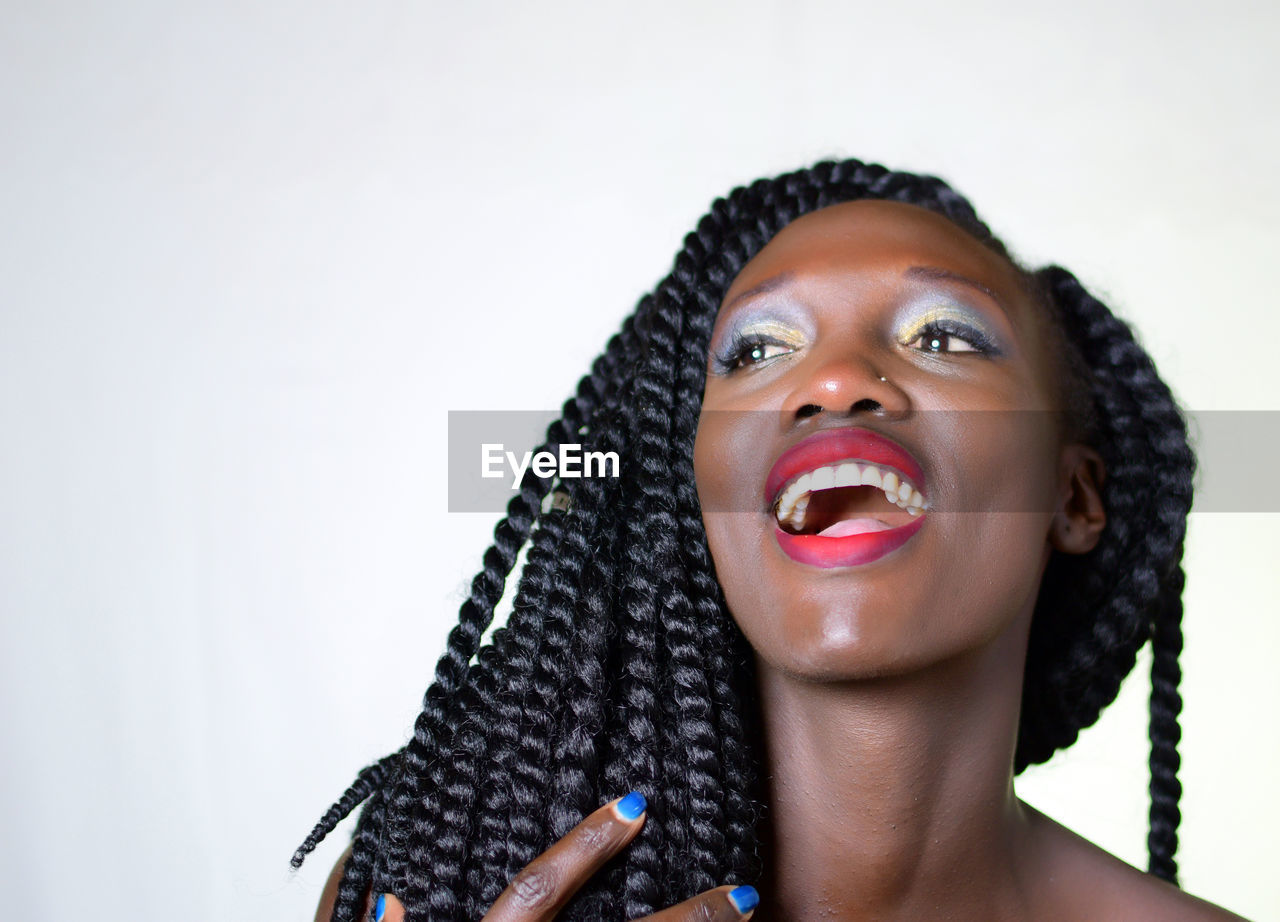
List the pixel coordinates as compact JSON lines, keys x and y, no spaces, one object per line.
{"x":744,"y":898}
{"x":380,"y":907}
{"x":631,"y":806}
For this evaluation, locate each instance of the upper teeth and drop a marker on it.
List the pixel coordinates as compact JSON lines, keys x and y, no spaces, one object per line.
{"x":793,"y":502}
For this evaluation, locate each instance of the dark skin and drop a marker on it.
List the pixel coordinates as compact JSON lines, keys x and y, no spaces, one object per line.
{"x":890,"y":689}
{"x":541,"y":890}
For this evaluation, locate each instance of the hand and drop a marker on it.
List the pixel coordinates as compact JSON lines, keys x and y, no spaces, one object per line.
{"x":540,"y":891}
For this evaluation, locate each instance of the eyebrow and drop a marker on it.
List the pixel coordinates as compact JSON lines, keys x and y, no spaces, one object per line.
{"x":770,"y":284}
{"x":935,"y":273}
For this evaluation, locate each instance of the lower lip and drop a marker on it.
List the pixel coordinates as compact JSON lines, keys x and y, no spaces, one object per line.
{"x":849,"y":551}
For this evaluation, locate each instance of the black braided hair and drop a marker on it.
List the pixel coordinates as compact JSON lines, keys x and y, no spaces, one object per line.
{"x":620,"y":667}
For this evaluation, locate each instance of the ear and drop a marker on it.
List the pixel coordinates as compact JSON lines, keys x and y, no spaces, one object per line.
{"x":1080,"y":516}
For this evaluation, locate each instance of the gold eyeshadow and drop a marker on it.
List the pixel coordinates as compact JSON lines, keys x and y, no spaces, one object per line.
{"x":771,"y":330}
{"x":955,"y":320}
{"x":787,"y":325}
{"x":775,"y":324}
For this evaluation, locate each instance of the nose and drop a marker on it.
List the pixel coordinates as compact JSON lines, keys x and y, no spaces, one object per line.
{"x":846,"y":385}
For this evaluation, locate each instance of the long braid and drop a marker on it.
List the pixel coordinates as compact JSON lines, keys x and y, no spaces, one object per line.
{"x":422,"y":821}
{"x":515,"y":764}
{"x":650,"y":547}
{"x":358,"y":869}
{"x":367,"y":781}
{"x":357,"y":874}
{"x":1128,"y":589}
{"x":729,"y":664}
{"x":476,"y":613}
{"x":441,"y":822}
{"x":695,"y":758}
{"x":483,"y":752}
{"x":620,"y":666}
{"x":535,"y":670}
{"x":1165,"y":732}
{"x":588,"y":724}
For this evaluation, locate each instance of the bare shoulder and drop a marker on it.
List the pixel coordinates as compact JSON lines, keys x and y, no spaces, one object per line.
{"x":1090,"y":883}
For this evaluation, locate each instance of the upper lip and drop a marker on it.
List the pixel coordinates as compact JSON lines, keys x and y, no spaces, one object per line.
{"x":832,"y":445}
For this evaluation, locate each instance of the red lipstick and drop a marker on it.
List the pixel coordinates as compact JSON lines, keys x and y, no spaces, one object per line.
{"x":871,"y":538}
{"x":845,"y":552}
{"x":832,"y":445}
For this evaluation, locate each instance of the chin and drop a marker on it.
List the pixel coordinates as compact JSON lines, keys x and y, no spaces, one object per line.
{"x":822,"y":645}
{"x":840,"y":634}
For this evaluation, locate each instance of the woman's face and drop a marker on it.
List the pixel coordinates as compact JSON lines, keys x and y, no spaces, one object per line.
{"x":867,"y":345}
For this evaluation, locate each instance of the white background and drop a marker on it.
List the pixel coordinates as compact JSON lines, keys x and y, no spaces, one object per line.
{"x":251,"y":254}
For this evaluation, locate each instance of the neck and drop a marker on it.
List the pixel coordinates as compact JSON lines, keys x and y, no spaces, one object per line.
{"x":892,"y":797}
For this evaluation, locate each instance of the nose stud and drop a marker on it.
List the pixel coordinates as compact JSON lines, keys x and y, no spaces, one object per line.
{"x":883,"y":378}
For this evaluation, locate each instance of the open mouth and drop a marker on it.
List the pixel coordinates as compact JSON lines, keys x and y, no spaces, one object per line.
{"x":844,"y":497}
{"x":849,"y":497}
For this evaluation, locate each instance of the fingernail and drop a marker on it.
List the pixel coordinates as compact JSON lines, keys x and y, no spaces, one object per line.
{"x":744,"y":898}
{"x":380,"y":907}
{"x":631,"y":806}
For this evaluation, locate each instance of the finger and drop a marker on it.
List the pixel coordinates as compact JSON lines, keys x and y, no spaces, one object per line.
{"x":723,"y":904}
{"x":539,"y":891}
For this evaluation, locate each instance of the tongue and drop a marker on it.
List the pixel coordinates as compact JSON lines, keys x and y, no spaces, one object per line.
{"x":848,"y":527}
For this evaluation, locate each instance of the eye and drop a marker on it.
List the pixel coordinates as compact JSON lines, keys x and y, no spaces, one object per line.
{"x":743,"y":352}
{"x":940,"y":336}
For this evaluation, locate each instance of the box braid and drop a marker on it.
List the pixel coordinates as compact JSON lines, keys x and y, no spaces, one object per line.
{"x":620,"y":667}
{"x":1129,"y":588}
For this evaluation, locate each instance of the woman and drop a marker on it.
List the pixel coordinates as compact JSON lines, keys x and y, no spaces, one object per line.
{"x":895,"y":517}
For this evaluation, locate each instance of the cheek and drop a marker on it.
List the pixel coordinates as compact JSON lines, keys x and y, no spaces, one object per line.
{"x":728,"y":469}
{"x":706,"y":463}
{"x":991,"y":530}
{"x":992,"y":561}
{"x":762,"y":601}
{"x":737,"y":523}
{"x":997,"y":461}
{"x":714,"y":480}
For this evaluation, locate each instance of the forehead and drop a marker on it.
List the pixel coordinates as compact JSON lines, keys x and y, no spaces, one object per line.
{"x":872,"y":238}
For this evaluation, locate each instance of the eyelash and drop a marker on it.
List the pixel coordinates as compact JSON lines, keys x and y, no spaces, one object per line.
{"x":980,"y":341}
{"x":731,"y":356}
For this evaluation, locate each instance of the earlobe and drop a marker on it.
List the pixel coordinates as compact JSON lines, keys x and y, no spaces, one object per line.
{"x":1080,"y":516}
